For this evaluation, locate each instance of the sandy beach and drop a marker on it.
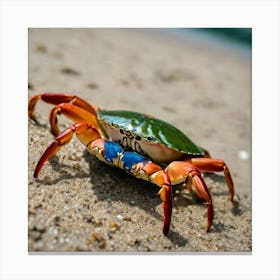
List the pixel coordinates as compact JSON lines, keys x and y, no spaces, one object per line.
{"x":79,"y":204}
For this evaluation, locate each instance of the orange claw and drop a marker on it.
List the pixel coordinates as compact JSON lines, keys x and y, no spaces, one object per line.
{"x":57,"y":98}
{"x":73,"y":112}
{"x":179,"y":172}
{"x":86,"y":133}
{"x":78,"y":109}
{"x":215,"y":165}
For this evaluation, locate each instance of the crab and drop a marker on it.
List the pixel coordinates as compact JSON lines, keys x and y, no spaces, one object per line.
{"x":142,"y":145}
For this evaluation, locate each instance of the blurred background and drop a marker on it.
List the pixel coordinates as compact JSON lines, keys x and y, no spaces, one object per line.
{"x":242,"y":36}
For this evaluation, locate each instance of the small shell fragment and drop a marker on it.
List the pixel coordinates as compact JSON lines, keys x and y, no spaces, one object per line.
{"x":120,"y":217}
{"x":243,"y":155}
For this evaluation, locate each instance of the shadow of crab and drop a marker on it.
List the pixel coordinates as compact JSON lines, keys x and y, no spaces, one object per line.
{"x":117,"y":185}
{"x":112,"y":184}
{"x":65,"y":172}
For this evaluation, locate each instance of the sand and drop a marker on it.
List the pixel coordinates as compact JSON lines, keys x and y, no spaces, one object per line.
{"x":79,"y":203}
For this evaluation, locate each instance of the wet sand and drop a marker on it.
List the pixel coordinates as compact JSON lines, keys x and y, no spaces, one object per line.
{"x":79,"y":203}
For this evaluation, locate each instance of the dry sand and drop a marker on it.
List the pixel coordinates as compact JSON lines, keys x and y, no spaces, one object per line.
{"x":79,"y":203}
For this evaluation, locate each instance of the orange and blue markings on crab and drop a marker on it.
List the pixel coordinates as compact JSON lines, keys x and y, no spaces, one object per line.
{"x":114,"y":152}
{"x":145,"y":147}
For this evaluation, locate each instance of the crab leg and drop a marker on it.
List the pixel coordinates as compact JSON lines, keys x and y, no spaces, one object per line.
{"x":138,"y":166}
{"x":180,"y":171}
{"x":215,"y":165}
{"x":166,"y":196}
{"x":86,"y":133}
{"x":57,"y":98}
{"x":72,"y":106}
{"x":73,"y":112}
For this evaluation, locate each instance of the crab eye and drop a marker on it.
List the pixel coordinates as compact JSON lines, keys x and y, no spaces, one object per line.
{"x":149,"y":138}
{"x":137,"y":138}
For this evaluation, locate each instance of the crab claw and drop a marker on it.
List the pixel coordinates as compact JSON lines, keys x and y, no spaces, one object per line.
{"x":57,"y":98}
{"x":71,"y":106}
{"x":180,"y":171}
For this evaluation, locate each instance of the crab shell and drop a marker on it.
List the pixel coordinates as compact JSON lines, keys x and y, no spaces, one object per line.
{"x":149,"y":136}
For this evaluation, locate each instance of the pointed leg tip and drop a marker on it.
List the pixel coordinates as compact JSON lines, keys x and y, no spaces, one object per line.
{"x":37,"y":169}
{"x":165,"y":231}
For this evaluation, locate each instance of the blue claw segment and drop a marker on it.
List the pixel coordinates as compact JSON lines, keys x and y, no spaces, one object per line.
{"x":112,"y":151}
{"x":131,"y":158}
